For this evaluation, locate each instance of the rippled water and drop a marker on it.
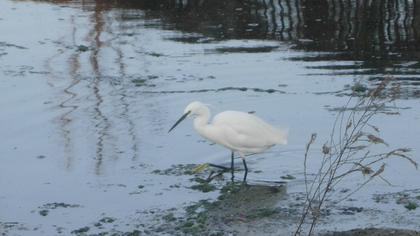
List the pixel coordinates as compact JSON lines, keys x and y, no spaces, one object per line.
{"x":89,"y":90}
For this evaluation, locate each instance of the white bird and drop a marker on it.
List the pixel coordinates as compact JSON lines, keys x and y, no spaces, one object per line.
{"x":240,"y":132}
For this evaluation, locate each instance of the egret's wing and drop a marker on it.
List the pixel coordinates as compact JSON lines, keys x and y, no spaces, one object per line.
{"x":243,"y":130}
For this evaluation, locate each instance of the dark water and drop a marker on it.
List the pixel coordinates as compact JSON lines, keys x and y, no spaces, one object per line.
{"x":358,"y":27}
{"x":381,"y":37}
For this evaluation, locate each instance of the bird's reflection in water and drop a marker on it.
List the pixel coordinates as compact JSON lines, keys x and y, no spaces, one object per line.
{"x":255,"y":194}
{"x":237,"y":195}
{"x":242,"y":209}
{"x":239,"y":202}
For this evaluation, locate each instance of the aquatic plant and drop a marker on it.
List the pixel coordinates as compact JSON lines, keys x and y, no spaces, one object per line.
{"x":349,"y":150}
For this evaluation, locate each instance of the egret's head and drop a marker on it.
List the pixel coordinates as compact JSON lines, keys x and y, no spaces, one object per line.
{"x":196,"y":108}
{"x":193,"y":109}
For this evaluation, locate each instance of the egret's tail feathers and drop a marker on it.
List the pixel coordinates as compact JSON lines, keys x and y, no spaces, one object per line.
{"x":282,"y":136}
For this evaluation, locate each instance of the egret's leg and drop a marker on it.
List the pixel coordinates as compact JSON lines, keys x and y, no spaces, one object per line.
{"x":232,"y":166}
{"x":231,"y":162}
{"x":246,"y":169}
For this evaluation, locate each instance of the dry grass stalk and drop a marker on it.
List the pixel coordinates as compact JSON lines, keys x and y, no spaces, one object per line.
{"x":347,"y":151}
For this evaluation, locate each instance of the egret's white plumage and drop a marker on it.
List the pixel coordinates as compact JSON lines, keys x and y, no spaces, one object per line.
{"x":240,"y":132}
{"x":246,"y":133}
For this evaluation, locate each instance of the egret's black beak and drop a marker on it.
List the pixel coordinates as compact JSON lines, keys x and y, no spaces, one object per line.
{"x":179,"y":121}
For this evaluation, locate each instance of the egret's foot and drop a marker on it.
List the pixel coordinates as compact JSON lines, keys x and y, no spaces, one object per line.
{"x":245,"y":175}
{"x":223,"y":170}
{"x":214,"y":175}
{"x":210,"y":177}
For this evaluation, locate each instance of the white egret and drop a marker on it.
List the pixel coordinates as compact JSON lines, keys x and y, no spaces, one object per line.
{"x":240,"y":132}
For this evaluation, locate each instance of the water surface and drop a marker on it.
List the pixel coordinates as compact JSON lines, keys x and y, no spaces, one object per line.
{"x":90,"y":88}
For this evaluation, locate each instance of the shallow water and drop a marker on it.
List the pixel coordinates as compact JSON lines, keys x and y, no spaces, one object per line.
{"x":89,"y":90}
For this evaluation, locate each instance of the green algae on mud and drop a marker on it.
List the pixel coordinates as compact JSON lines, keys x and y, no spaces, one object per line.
{"x":411,"y":206}
{"x":177,"y":170}
{"x":242,"y":208}
{"x":239,"y":208}
{"x":409,"y":199}
{"x":80,"y":231}
{"x":238,"y":203}
{"x":203,"y":185}
{"x":45,"y":209}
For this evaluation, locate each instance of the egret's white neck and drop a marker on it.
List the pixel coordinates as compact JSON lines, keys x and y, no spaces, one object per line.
{"x":202,"y":119}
